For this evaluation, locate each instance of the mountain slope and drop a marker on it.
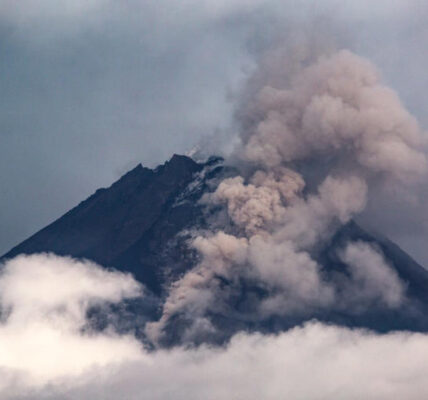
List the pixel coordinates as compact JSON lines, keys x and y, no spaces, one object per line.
{"x":128,"y":226}
{"x":125,"y":225}
{"x":139,"y":225}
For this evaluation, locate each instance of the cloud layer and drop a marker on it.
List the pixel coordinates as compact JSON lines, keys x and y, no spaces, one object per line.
{"x":45,"y":355}
{"x":44,"y":331}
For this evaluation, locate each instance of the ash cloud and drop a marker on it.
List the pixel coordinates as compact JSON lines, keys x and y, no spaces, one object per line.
{"x":335,"y":105}
{"x":298,"y":111}
{"x":372,"y":277}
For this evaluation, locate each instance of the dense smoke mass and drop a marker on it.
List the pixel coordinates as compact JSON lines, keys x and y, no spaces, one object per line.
{"x":276,"y":302}
{"x":332,"y":107}
{"x":335,"y":106}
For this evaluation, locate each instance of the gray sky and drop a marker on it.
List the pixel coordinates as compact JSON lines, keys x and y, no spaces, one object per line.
{"x":91,"y":88}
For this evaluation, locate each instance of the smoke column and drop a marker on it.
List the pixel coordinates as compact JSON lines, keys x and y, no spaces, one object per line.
{"x":300,"y":116}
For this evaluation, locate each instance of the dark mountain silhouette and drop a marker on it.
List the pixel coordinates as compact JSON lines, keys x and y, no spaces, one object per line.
{"x":129,"y":225}
{"x":139,"y":225}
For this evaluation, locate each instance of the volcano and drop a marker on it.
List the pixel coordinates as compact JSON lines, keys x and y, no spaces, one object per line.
{"x":142,"y":224}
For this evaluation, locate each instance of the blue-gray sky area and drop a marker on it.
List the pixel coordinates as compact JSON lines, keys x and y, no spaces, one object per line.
{"x":91,"y":88}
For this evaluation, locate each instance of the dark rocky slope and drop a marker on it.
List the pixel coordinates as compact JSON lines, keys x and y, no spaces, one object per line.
{"x":130,"y":225}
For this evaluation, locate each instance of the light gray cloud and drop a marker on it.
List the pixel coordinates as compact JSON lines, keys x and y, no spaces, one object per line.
{"x":45,"y":355}
{"x":337,"y":360}
{"x":44,"y":300}
{"x":314,"y":362}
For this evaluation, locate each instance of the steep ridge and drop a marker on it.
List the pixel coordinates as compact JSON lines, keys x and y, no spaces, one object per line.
{"x":128,"y":225}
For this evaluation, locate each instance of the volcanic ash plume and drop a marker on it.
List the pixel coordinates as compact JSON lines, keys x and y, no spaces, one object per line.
{"x":329,"y":114}
{"x":334,"y":107}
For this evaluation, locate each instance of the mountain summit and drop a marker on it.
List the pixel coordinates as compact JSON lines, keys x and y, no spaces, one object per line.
{"x":128,"y":225}
{"x":142,"y":224}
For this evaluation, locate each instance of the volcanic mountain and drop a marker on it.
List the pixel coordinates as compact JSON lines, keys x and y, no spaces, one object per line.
{"x":130,"y":225}
{"x":142,"y":224}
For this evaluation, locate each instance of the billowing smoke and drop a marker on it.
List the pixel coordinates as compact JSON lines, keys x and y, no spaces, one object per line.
{"x":317,"y":132}
{"x":335,"y":107}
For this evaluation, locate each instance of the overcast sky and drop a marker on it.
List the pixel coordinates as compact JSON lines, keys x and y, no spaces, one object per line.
{"x":91,"y":88}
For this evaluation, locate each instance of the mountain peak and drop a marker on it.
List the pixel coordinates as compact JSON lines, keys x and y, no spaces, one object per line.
{"x":132,"y":175}
{"x":115,"y":226}
{"x":136,"y":170}
{"x":141,"y":224}
{"x":179,"y":158}
{"x":180,"y":162}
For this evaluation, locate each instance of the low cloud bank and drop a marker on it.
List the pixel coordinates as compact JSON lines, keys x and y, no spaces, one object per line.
{"x":46,"y":355}
{"x":44,"y":333}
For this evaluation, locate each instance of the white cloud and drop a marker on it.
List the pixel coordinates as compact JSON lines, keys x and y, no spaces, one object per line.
{"x":44,"y":300}
{"x":310,"y":363}
{"x":45,"y":355}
